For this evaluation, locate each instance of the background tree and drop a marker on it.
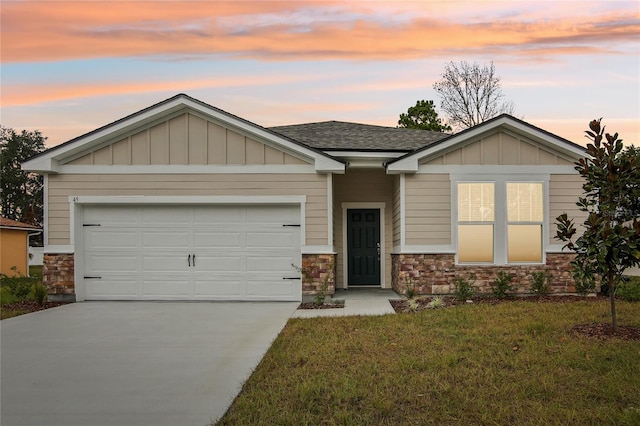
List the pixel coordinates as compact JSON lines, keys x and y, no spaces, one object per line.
{"x":611,"y":239}
{"x":423,"y":116}
{"x":471,"y":94}
{"x":20,"y":191}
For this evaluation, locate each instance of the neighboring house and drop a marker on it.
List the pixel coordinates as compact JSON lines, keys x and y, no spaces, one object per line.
{"x":14,"y":246}
{"x":185,"y":201}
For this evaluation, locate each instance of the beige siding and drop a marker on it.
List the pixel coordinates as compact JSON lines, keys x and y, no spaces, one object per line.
{"x":187,"y":139}
{"x":499,"y":148}
{"x":360,"y":186}
{"x":564,"y":191}
{"x":314,"y":186}
{"x":428,"y":209}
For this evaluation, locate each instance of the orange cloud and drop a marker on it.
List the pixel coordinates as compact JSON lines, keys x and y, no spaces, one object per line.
{"x":51,"y":31}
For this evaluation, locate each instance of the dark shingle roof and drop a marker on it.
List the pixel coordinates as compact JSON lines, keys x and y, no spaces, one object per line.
{"x":339,"y":135}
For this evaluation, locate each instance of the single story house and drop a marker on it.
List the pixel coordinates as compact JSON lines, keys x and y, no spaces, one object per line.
{"x":184,"y":201}
{"x":14,"y":246}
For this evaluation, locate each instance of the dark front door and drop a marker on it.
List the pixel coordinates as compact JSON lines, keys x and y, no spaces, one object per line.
{"x":363,"y":246}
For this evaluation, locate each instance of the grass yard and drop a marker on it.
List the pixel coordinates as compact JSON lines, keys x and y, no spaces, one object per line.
{"x":512,"y":363}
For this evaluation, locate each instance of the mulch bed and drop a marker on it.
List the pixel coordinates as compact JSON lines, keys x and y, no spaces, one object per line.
{"x":30,"y":306}
{"x":596,"y":330}
{"x":312,"y":305}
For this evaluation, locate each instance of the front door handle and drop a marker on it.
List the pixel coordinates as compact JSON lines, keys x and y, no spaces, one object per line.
{"x":378,"y":248}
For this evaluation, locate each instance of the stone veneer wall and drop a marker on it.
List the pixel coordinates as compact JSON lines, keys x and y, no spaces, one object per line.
{"x":58,"y":276}
{"x":319,"y":268}
{"x":434,"y":273}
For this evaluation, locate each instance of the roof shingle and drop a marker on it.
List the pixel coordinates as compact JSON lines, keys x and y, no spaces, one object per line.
{"x":340,"y":135}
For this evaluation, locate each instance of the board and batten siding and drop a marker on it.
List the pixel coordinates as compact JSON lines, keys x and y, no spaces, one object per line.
{"x":564,"y":191}
{"x":186,"y":139}
{"x":313,"y":186}
{"x":498,"y":148}
{"x":427,"y":209}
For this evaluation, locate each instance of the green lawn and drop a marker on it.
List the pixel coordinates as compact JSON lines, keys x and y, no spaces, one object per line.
{"x":449,"y":366}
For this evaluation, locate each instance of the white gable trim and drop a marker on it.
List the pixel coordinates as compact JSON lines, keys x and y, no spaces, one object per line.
{"x":187,"y":169}
{"x":49,"y":162}
{"x":409,"y":164}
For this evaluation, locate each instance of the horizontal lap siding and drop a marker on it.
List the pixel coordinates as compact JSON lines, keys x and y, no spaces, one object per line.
{"x":314,"y":186}
{"x":428,"y":209}
{"x":564,"y":191}
{"x":397,"y":212}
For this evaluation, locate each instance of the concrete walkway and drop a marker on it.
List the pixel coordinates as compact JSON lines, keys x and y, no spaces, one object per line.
{"x":357,"y":301}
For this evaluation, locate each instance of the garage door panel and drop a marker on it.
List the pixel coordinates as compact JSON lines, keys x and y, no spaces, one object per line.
{"x":271,"y":239}
{"x":168,"y":287}
{"x":221,"y":263}
{"x":112,"y":288}
{"x":221,"y":214}
{"x":102,"y":263}
{"x":102,"y":239}
{"x":170,"y":262}
{"x":270,"y":289}
{"x":112,"y":215}
{"x":227,"y":288}
{"x":167,"y":215}
{"x":177,"y":240}
{"x":205,"y":240}
{"x":282,"y":264}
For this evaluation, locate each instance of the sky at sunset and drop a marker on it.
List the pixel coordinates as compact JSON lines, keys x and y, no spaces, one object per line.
{"x":70,"y":67}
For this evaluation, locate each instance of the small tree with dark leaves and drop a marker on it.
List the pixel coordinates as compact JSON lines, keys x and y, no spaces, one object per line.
{"x":611,"y":239}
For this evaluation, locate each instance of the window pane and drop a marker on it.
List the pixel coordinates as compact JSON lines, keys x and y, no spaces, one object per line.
{"x":524,"y":243}
{"x":475,"y":243}
{"x":524,"y":202}
{"x":475,"y":202}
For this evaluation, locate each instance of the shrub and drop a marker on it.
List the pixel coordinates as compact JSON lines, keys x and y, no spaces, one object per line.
{"x":629,"y":289}
{"x":436,"y":302}
{"x":18,"y":285}
{"x":463,"y":287}
{"x":502,"y":285}
{"x":541,"y":283}
{"x":6,"y":296}
{"x":39,"y":293}
{"x":411,"y":288}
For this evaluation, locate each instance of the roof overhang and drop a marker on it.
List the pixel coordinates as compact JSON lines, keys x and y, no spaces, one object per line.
{"x":49,"y":161}
{"x":410,"y":162}
{"x":366,"y":159}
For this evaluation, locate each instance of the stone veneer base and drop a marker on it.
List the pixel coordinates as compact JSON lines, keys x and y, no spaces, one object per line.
{"x":58,"y":276}
{"x":318,"y":269}
{"x":434,"y":273}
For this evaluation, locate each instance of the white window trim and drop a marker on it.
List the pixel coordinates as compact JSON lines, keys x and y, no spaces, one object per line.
{"x":500,"y":217}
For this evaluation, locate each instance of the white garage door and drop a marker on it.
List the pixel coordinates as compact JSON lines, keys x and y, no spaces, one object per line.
{"x":163,"y":252}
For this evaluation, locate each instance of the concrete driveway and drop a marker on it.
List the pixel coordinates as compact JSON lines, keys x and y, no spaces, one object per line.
{"x":132,"y":363}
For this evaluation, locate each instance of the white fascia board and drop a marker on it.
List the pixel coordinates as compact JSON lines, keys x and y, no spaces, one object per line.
{"x":494,"y":169}
{"x":327,"y":165}
{"x":365,"y":154}
{"x":406,"y":165}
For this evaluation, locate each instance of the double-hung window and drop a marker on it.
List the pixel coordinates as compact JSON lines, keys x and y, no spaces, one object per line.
{"x":525,"y":211}
{"x":476,"y":221}
{"x":499,"y":221}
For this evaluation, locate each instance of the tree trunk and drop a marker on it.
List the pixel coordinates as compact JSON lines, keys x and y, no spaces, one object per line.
{"x":612,"y":298}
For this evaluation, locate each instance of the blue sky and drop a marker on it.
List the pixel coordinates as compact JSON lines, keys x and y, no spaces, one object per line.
{"x":70,"y":67}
